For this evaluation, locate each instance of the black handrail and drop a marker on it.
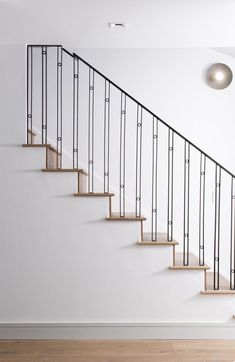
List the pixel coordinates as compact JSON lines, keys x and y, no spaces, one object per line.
{"x":148,"y":110}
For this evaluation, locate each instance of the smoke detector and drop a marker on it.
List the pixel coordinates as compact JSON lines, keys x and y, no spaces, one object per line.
{"x":117,"y":24}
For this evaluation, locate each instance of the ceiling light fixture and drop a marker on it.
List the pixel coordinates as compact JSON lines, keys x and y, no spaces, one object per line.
{"x":118,"y":24}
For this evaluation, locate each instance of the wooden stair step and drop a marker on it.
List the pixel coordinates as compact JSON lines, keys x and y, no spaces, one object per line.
{"x":115,"y":216}
{"x":161,"y":240}
{"x":93,"y":194}
{"x":224,"y":285}
{"x":193,"y":263}
{"x":158,"y":243}
{"x":79,"y":170}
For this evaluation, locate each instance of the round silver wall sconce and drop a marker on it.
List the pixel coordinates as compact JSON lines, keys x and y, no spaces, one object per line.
{"x":219,"y":76}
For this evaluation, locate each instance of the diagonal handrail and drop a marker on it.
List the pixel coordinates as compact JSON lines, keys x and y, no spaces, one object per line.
{"x":149,"y":111}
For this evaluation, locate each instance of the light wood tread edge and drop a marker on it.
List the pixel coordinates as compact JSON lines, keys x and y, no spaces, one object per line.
{"x":125,"y":218}
{"x":79,"y":170}
{"x":94,"y":194}
{"x":218,"y":292}
{"x":189,"y":267}
{"x":157,"y":243}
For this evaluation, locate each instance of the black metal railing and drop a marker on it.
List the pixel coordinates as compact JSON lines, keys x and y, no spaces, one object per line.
{"x":141,"y":111}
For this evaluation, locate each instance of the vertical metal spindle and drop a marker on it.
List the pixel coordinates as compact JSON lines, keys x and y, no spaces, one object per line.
{"x":106,"y":135}
{"x":29,"y":94}
{"x":170,"y":186}
{"x":154,"y":181}
{"x":122,"y":155}
{"x":202,"y":210}
{"x":217,"y":226}
{"x":75,"y":110}
{"x":44,"y":95}
{"x":232,"y":243}
{"x":91,"y":132}
{"x":59,"y":108}
{"x":138,"y":160}
{"x":186,"y":203}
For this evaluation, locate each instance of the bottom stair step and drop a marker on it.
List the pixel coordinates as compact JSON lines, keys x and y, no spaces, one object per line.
{"x":224,"y":285}
{"x":193,"y":263}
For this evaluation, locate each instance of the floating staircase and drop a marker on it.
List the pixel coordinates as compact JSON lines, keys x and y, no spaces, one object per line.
{"x":215,"y":281}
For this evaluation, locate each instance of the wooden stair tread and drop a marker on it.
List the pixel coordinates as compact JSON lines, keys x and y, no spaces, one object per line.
{"x":161,"y":240}
{"x":128,"y":217}
{"x":158,"y":243}
{"x":64,"y":170}
{"x":224,"y":285}
{"x":94,"y":194}
{"x":193,"y":263}
{"x":218,"y":292}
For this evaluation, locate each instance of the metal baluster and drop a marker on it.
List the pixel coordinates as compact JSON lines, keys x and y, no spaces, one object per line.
{"x":186,"y":202}
{"x":91,"y":132}
{"x":59,"y":108}
{"x":75,"y":110}
{"x":122,"y":155}
{"x":170,"y":185}
{"x":29,"y":94}
{"x":106,"y":136}
{"x":202,"y":210}
{"x":138,"y":160}
{"x":217,"y":226}
{"x":154,"y":180}
{"x":232,"y":246}
{"x":44,"y":95}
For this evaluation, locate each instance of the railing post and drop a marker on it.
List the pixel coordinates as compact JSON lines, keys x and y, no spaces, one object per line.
{"x":138,"y":161}
{"x":91,"y":132}
{"x":217,"y":226}
{"x":170,"y":185}
{"x":29,"y":94}
{"x":186,"y":202}
{"x":44,"y":95}
{"x":122,"y":155}
{"x":154,"y":180}
{"x":202,"y":209}
{"x":232,"y":236}
{"x":76,"y":76}
{"x":59,"y":107}
{"x":106,"y":136}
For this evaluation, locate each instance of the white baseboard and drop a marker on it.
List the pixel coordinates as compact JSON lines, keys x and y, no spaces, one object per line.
{"x":117,"y":330}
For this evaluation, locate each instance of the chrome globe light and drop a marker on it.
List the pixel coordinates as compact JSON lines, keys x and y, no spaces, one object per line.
{"x":219,"y":76}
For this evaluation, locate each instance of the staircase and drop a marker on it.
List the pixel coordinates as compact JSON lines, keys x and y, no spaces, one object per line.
{"x":120,"y":150}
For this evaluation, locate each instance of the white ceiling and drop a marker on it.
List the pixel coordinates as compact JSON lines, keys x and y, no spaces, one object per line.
{"x":151,"y":23}
{"x":227,"y":51}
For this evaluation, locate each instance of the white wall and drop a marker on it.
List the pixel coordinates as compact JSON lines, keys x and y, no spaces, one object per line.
{"x":59,"y":260}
